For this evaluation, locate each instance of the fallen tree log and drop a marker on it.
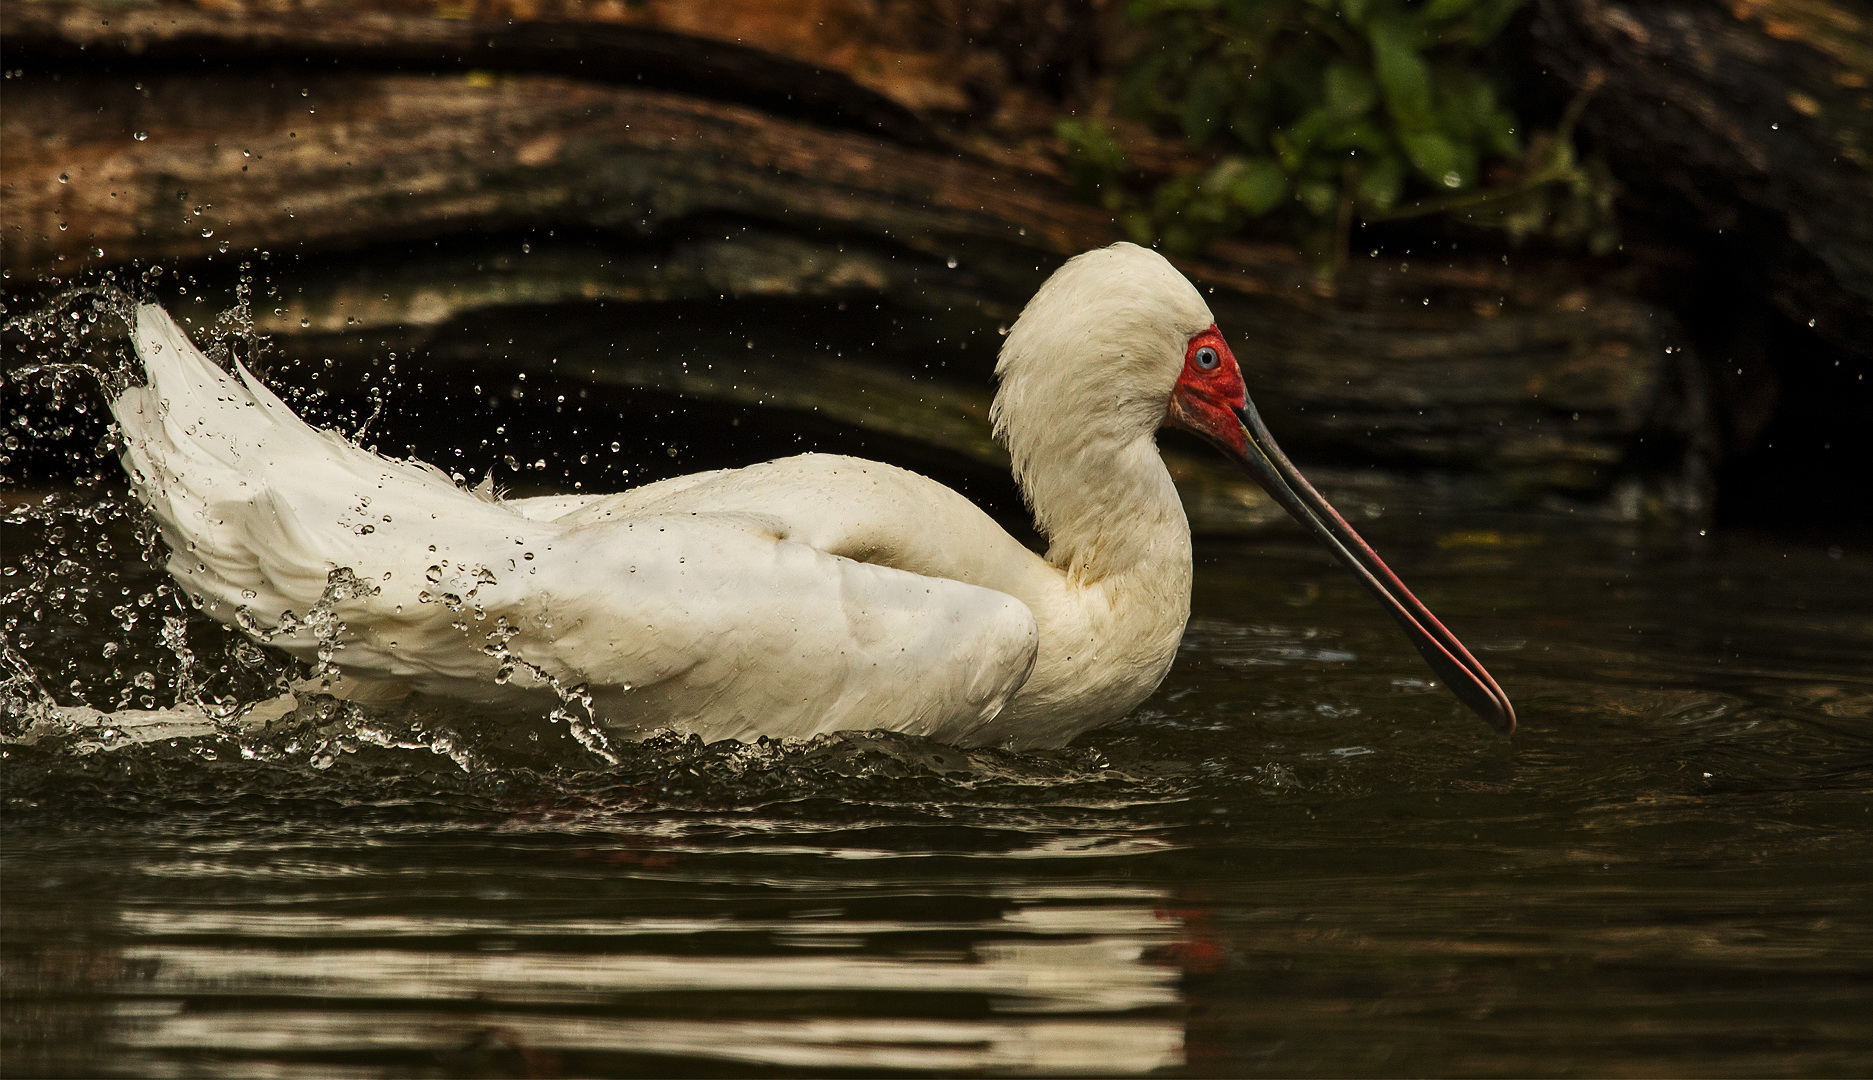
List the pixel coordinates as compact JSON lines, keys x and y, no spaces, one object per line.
{"x":1422,"y":382}
{"x":1751,"y":119}
{"x":914,"y":72}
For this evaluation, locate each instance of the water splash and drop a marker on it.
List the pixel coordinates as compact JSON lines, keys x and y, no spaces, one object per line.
{"x":99,"y":649}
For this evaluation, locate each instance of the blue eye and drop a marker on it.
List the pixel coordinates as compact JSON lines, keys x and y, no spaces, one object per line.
{"x":1207,"y":358}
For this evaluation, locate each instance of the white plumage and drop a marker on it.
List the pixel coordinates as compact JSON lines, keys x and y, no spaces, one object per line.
{"x":810,"y":594}
{"x":800,"y":596}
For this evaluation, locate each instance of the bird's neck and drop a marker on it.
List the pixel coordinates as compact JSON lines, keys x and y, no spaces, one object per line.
{"x":1114,"y":610}
{"x":1108,"y":509}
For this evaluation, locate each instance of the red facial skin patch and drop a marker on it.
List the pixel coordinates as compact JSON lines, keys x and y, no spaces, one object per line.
{"x":1209,"y":392}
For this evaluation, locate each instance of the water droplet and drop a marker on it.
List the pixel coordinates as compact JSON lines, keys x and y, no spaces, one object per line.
{"x":64,"y":179}
{"x":140,"y":136}
{"x":206,"y":233}
{"x":952,"y":262}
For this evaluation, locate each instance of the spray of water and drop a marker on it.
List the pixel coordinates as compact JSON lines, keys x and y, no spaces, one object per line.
{"x":99,"y":648}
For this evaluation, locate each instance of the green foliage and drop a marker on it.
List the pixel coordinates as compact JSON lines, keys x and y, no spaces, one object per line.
{"x":1096,"y":158}
{"x":1318,"y":112}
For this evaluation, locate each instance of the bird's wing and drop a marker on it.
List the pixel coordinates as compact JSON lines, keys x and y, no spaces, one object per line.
{"x":614,"y":504}
{"x":715,"y":623}
{"x":711,"y":622}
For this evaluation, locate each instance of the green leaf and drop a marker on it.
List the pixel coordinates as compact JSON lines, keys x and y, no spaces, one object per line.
{"x":1402,"y":74}
{"x":1259,"y":186}
{"x":1362,"y":136}
{"x":1319,"y":196}
{"x":1094,"y":160}
{"x":1500,"y":132}
{"x":1290,"y":155}
{"x":1527,"y":215}
{"x":1350,"y":91}
{"x":1173,"y":195}
{"x":1180,"y":239}
{"x":1092,"y":144}
{"x":1472,"y":115}
{"x":1382,"y":183}
{"x":1208,"y":205}
{"x":1309,"y":103}
{"x":1436,"y":157}
{"x":1137,"y":225}
{"x":1305,"y":133}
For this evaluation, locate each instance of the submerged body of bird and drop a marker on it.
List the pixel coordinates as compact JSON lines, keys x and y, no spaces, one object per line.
{"x":805,"y":595}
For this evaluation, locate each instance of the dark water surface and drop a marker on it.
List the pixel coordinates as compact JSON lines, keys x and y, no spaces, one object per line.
{"x":1297,"y":859}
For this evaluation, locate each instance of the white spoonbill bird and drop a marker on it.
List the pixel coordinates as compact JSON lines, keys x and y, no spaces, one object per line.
{"x":811,"y":594}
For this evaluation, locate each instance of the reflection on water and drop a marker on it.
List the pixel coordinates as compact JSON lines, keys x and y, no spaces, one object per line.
{"x":1100,"y":968}
{"x":1301,"y":857}
{"x":608,"y":956}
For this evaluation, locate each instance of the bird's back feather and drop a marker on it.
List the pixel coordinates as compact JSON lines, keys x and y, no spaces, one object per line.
{"x":720,"y":621}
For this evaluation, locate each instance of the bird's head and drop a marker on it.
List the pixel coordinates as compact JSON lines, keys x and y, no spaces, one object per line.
{"x":1127,"y":311}
{"x":1101,"y":342}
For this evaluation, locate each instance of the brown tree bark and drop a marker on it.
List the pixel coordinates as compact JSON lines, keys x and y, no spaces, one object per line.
{"x":1753,"y":118}
{"x":1445,"y":381}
